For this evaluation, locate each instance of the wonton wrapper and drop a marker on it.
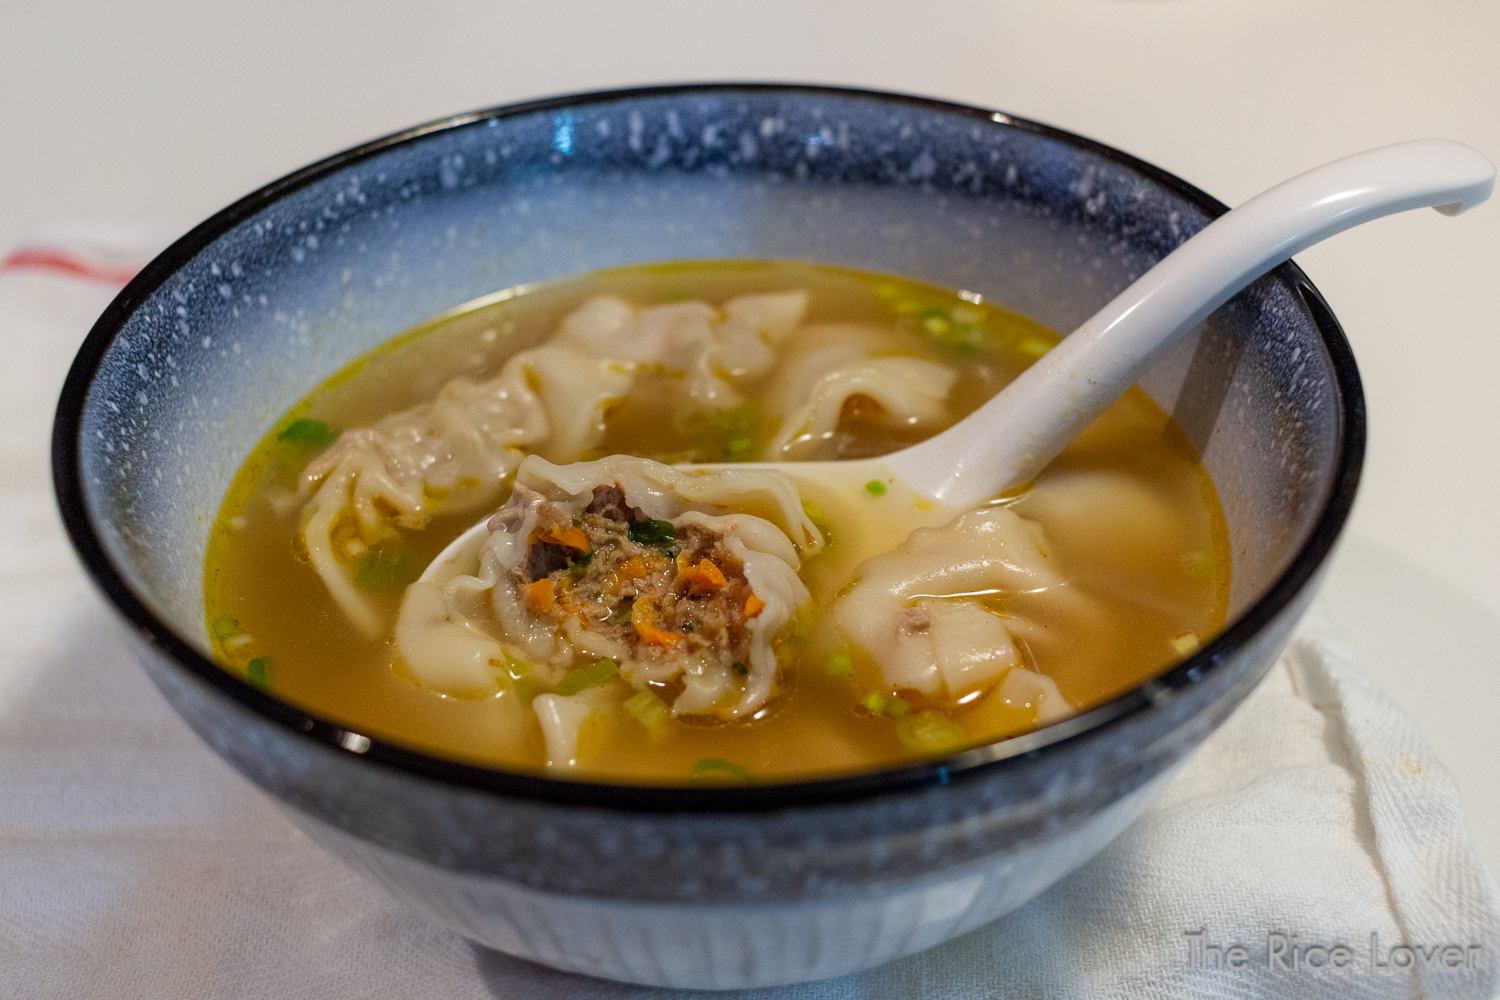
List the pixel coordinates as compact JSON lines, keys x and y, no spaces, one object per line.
{"x":453,"y":636}
{"x":917,"y":611}
{"x":810,"y":396}
{"x":457,"y":451}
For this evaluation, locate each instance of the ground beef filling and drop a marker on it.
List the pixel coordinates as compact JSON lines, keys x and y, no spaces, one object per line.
{"x":662,"y":592}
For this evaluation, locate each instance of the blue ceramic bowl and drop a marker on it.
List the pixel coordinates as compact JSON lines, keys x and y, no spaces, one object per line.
{"x":713,"y":887}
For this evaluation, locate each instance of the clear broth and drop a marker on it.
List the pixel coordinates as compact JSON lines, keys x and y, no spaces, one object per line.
{"x":1158,"y":571}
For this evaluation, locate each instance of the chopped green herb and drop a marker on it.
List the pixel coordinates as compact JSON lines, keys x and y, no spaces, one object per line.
{"x":1186,"y":644}
{"x":967,"y":338}
{"x":688,"y":626}
{"x":712,"y":435}
{"x":874,"y":702}
{"x":740,"y":668}
{"x":520,"y":678}
{"x":258,"y":672}
{"x":736,"y":431}
{"x":388,"y":567}
{"x":660,"y":534}
{"x":820,"y":521}
{"x":578,"y":563}
{"x":735,"y":447}
{"x":1033,"y":347}
{"x":897,"y":708}
{"x":225,"y":627}
{"x":936,"y":322}
{"x":593,"y":675}
{"x":1200,"y":563}
{"x":931,"y":732}
{"x":838,"y":664}
{"x":714,"y":770}
{"x":309,"y":434}
{"x":578,"y":515}
{"x":875,"y":488}
{"x":650,"y":711}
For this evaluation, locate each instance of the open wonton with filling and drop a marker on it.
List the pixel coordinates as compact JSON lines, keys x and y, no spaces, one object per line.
{"x":602,"y":578}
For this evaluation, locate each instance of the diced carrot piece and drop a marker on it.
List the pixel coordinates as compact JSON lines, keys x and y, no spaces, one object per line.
{"x":567,"y":535}
{"x":643,"y":617}
{"x":704,"y":576}
{"x":754,"y":606}
{"x":633,"y":568}
{"x":540,"y":596}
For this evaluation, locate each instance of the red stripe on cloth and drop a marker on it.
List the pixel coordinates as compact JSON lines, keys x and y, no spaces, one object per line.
{"x":62,"y":262}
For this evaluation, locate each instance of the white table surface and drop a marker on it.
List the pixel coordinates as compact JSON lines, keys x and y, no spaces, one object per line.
{"x":169,"y":110}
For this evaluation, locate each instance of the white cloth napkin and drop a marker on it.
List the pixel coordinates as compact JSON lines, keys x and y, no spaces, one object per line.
{"x":135,"y":864}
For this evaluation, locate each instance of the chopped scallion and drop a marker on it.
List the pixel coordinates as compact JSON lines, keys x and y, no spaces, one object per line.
{"x":931,"y":732}
{"x":838,"y":664}
{"x":1186,"y":644}
{"x":1200,"y":564}
{"x":388,"y":567}
{"x":258,"y":672}
{"x":897,"y":708}
{"x":309,"y":434}
{"x":875,"y":488}
{"x":874,"y":702}
{"x":650,"y":711}
{"x":594,"y":674}
{"x":520,"y":678}
{"x":936,"y":322}
{"x":712,"y":769}
{"x":648,"y":532}
{"x":820,"y":521}
{"x":223,"y":628}
{"x":1033,"y":347}
{"x":735,"y":447}
{"x":739,"y":668}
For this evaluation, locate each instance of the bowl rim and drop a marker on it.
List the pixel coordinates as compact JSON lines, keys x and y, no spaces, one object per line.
{"x":987,"y":760}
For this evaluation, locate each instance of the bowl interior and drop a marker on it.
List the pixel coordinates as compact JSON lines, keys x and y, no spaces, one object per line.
{"x":245,"y":315}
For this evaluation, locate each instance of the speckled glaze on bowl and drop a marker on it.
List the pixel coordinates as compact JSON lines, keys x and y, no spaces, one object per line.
{"x":708,"y":887}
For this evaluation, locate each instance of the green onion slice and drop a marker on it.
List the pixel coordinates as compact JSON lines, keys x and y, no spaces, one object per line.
{"x":648,"y":532}
{"x":931,"y":733}
{"x":309,"y":434}
{"x":838,"y":664}
{"x":650,"y":711}
{"x":389,"y":567}
{"x":258,"y":672}
{"x":521,"y":683}
{"x":714,"y":770}
{"x":583,"y":678}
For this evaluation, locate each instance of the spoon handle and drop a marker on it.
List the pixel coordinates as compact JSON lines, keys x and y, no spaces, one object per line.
{"x":1012,"y":437}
